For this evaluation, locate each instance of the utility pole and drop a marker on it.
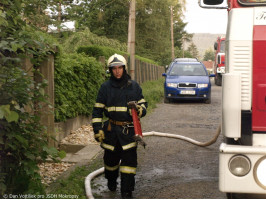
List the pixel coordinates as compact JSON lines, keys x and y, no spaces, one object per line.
{"x":131,"y":37}
{"x":129,"y":30}
{"x":183,"y":46}
{"x":59,"y":17}
{"x":172,"y":34}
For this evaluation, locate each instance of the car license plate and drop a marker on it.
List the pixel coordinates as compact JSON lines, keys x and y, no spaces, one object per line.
{"x":188,"y":92}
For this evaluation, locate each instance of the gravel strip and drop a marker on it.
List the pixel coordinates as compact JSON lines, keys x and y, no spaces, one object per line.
{"x":84,"y":135}
{"x":50,"y":171}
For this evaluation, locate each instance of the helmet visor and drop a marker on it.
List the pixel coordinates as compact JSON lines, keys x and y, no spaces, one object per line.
{"x":116,"y":64}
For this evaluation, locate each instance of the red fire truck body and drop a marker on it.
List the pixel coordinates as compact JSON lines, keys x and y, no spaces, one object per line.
{"x":242,"y":158}
{"x":219,"y":63}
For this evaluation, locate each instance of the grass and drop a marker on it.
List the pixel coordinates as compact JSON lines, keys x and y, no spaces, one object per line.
{"x":74,"y":183}
{"x":153,"y":92}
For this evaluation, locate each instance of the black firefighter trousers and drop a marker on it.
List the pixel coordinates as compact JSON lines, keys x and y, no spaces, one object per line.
{"x":127,"y":166}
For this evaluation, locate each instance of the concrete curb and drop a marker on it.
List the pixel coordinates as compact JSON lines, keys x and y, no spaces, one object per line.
{"x":85,"y":154}
{"x":71,"y":148}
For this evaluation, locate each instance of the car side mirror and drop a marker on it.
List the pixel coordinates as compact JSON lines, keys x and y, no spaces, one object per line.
{"x":163,"y":74}
{"x":215,"y":45}
{"x":213,"y":2}
{"x":210,"y":4}
{"x":212,"y":75}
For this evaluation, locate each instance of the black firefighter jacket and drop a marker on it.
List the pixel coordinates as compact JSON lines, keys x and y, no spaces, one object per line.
{"x":112,"y":102}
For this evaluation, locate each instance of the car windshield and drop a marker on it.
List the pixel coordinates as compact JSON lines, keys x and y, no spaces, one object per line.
{"x":252,"y":2}
{"x":187,"y":70}
{"x":222,"y":49}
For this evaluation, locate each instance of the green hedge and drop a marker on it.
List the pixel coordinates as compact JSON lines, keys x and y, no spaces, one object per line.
{"x":87,"y":38}
{"x":77,"y":80}
{"x":146,"y":60}
{"x":97,"y":51}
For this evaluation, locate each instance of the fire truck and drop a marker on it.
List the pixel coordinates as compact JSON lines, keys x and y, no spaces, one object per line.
{"x":219,"y":64}
{"x":242,"y":154}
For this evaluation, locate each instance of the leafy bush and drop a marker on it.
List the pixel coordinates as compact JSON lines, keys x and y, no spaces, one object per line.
{"x":23,"y":140}
{"x":86,"y":38}
{"x":77,"y":80}
{"x":146,"y":60}
{"x":97,"y":51}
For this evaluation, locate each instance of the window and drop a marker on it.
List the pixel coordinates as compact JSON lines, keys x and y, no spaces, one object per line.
{"x":222,"y":48}
{"x":252,"y":2}
{"x":187,"y":70}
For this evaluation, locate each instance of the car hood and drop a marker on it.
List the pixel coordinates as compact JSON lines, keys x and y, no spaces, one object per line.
{"x":188,"y":79}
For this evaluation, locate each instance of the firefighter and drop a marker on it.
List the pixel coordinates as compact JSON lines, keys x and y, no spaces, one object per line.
{"x":116,"y":134}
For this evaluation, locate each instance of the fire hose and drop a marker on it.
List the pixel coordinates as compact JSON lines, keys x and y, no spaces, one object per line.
{"x":152,"y":133}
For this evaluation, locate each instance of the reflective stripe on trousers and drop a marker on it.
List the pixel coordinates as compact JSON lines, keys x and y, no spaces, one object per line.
{"x":128,"y":166}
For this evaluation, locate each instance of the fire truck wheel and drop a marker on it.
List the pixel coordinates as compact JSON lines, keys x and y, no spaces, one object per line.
{"x":218,"y":80}
{"x":230,"y":195}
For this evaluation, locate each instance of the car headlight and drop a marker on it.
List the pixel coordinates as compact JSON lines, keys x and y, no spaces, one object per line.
{"x":239,"y":165}
{"x":259,"y":172}
{"x":202,"y":85}
{"x":174,"y":85}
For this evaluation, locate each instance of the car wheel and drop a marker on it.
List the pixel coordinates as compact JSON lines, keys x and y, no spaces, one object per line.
{"x":208,"y":101}
{"x":166,"y":100}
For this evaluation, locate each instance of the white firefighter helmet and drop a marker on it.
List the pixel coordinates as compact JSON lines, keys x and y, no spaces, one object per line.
{"x":117,"y":60}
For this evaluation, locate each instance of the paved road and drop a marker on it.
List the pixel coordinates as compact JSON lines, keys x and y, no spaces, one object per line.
{"x":171,"y":168}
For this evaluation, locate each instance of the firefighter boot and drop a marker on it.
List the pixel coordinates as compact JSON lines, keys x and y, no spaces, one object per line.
{"x":112,"y":184}
{"x":126,"y":195}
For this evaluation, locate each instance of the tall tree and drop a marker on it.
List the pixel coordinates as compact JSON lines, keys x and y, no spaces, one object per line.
{"x":110,"y":18}
{"x":59,"y":12}
{"x":34,"y":13}
{"x":193,"y":50}
{"x":103,"y":17}
{"x":209,"y":54}
{"x":153,"y":28}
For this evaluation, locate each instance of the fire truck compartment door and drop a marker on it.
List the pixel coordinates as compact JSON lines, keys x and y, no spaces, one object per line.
{"x":259,"y":81}
{"x":231,"y":105}
{"x":261,"y":100}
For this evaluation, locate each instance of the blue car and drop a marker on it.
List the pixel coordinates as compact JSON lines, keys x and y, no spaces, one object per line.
{"x":188,"y":81}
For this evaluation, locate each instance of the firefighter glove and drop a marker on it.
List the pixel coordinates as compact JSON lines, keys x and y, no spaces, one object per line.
{"x":99,"y":136}
{"x":139,"y":110}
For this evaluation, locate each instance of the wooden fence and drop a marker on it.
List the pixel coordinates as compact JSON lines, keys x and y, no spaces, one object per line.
{"x":143,"y":72}
{"x":46,"y":68}
{"x":147,"y":72}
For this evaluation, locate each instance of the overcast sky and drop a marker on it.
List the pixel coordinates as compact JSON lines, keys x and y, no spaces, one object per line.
{"x":202,"y":20}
